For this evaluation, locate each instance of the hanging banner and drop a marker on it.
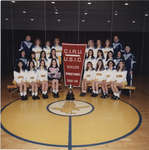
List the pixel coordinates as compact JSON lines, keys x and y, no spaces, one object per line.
{"x":73,"y":60}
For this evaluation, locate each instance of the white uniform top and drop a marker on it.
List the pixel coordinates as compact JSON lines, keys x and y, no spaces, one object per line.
{"x":100,"y":75}
{"x":93,"y":61}
{"x":58,"y":50}
{"x":110,"y":75}
{"x":47,"y":49}
{"x":42,"y":75}
{"x":49,"y":62}
{"x":20,"y":76}
{"x":87,"y":49}
{"x":35,"y":62}
{"x":120,"y":76}
{"x":37,"y":50}
{"x":32,"y":76}
{"x":106,"y":62}
{"x":89,"y":75}
{"x":106,"y":50}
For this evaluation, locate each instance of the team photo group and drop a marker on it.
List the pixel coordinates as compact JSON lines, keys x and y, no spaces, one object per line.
{"x":107,"y":65}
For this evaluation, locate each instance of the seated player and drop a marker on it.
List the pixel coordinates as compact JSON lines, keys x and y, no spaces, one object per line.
{"x":87,"y":78}
{"x":42,"y":76}
{"x":32,"y":80}
{"x":47,"y":48}
{"x":107,"y":48}
{"x":37,"y":48}
{"x":99,"y":77}
{"x":100,"y":56}
{"x":90,"y":57}
{"x":54,"y":75}
{"x":109,"y":78}
{"x":120,"y":80}
{"x":20,"y":79}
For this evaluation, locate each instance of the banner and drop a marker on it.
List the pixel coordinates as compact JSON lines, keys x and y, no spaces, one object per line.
{"x":73,"y":60}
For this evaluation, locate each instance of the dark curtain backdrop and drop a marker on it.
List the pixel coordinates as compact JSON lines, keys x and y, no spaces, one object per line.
{"x":10,"y":41}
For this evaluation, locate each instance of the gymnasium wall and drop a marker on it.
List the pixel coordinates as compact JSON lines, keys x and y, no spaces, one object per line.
{"x":10,"y":40}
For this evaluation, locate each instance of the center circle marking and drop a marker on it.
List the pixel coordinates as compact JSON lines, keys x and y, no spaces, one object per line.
{"x":70,"y":108}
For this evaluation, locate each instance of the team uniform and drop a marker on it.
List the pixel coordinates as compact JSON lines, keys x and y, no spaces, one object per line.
{"x":96,"y":50}
{"x":106,"y":50}
{"x":42,"y":75}
{"x":89,"y":75}
{"x":37,"y":50}
{"x":117,"y":46}
{"x":35,"y":63}
{"x":32,"y":76}
{"x":20,"y":76}
{"x":129,"y":64}
{"x":120,"y":77}
{"x":50,"y":59}
{"x":110,"y":75}
{"x":27,"y":47}
{"x":100,"y":75}
{"x":47,"y":49}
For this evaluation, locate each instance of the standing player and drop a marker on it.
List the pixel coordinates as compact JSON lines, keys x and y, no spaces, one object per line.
{"x":129,"y":63}
{"x":47,"y":48}
{"x":37,"y":48}
{"x":99,"y":47}
{"x":90,"y":45}
{"x":26,"y":45}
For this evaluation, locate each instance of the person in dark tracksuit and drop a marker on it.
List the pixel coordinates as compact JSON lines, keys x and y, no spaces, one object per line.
{"x":26,"y":45}
{"x":129,"y":63}
{"x":117,"y":46}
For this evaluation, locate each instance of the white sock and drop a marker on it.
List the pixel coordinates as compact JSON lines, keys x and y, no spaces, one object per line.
{"x":21,"y":93}
{"x":36,"y":93}
{"x":56,"y":91}
{"x":115,"y":94}
{"x":24,"y":93}
{"x":33,"y":93}
{"x":83,"y":91}
{"x":45,"y":92}
{"x":94,"y":91}
{"x":118,"y":94}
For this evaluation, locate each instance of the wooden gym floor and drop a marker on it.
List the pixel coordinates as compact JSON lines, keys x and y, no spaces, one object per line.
{"x":101,"y":131}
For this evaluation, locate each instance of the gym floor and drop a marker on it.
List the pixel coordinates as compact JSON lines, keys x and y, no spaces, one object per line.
{"x":85,"y":124}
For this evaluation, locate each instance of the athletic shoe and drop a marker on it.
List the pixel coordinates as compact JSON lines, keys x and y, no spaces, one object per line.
{"x":103,"y":96}
{"x":113,"y":97}
{"x":33,"y":97}
{"x":82,"y":94}
{"x":46,"y":96}
{"x":37,"y":97}
{"x":25,"y":97}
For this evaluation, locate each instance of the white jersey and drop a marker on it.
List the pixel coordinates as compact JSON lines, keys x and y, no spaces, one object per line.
{"x":32,"y":76}
{"x":20,"y":76}
{"x":47,"y":49}
{"x":89,"y":75}
{"x":93,"y":61}
{"x":120,"y":76}
{"x":37,"y":50}
{"x":110,"y":75}
{"x":100,"y":75}
{"x":49,"y":62}
{"x":106,"y":50}
{"x":42,"y":75}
